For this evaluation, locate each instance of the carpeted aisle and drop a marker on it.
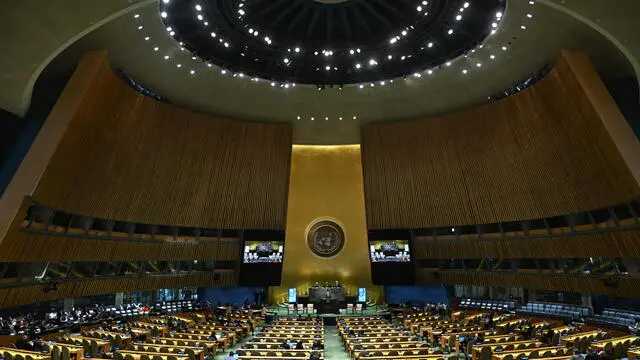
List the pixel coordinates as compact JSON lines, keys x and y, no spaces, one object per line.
{"x":333,"y":347}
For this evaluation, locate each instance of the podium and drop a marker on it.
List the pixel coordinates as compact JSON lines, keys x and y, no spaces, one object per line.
{"x":327,"y":300}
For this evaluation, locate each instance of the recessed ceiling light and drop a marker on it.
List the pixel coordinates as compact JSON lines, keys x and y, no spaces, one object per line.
{"x":136,"y":16}
{"x":179,"y":65}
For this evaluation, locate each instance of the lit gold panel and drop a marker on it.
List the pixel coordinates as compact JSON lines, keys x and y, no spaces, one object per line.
{"x":326,"y":183}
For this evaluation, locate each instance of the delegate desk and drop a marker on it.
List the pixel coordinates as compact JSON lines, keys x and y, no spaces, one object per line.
{"x":138,"y":354}
{"x":198,"y":352}
{"x":542,"y":352}
{"x":104,"y":344}
{"x":445,"y":336}
{"x":212,"y":344}
{"x":278,"y":353}
{"x":501,"y":338}
{"x":163,"y":330}
{"x":633,"y":354}
{"x":414,"y":348}
{"x":570,"y":340}
{"x":225,"y":340}
{"x":75,"y":351}
{"x":623,"y":340}
{"x":411,"y":357}
{"x":24,"y":353}
{"x":476,"y":350}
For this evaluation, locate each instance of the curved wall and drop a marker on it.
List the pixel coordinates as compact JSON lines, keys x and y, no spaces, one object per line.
{"x":128,"y":157}
{"x":544,"y":152}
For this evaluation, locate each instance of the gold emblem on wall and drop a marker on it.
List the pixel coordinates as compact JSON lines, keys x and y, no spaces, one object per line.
{"x":325,"y":238}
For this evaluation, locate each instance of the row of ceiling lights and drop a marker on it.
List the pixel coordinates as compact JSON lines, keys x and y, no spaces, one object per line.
{"x":372,"y":62}
{"x":326,"y":118}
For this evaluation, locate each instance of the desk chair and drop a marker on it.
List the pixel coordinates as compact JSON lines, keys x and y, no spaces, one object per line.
{"x":359,"y":308}
{"x":64,"y":355}
{"x":290,"y":308}
{"x":310,"y":308}
{"x":350,"y":308}
{"x":300,"y":308}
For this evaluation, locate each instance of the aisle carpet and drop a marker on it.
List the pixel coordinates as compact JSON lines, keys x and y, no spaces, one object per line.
{"x":333,"y":348}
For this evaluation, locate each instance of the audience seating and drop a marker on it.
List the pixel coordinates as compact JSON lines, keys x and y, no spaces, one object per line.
{"x":488,"y":305}
{"x":561,"y":310}
{"x":619,"y":317}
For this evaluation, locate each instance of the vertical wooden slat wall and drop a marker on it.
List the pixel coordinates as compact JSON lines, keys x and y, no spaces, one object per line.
{"x":540,"y":153}
{"x":623,"y":287}
{"x":11,"y":297}
{"x":612,"y":244}
{"x":128,"y":157}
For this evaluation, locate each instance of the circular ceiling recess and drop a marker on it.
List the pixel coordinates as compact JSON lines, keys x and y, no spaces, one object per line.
{"x":329,"y":42}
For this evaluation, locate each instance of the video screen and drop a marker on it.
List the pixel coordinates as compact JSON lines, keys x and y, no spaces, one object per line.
{"x":293,"y":295}
{"x":263,"y":252}
{"x":362,"y":295}
{"x":389,"y":251}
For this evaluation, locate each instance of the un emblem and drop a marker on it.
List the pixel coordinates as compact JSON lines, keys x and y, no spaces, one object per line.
{"x":325,"y":238}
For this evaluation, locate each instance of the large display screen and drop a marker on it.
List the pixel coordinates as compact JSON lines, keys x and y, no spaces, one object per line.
{"x":263,"y":252}
{"x":389,"y":251}
{"x":293,"y":295}
{"x":362,"y":295}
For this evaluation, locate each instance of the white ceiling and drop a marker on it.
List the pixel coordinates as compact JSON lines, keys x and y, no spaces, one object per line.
{"x":552,"y":28}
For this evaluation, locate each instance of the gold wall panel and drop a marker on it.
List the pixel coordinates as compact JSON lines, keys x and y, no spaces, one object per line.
{"x":326,"y":183}
{"x":126,"y":156}
{"x":540,"y":153}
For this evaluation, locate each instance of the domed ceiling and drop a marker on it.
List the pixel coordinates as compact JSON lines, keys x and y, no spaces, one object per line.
{"x":336,"y":43}
{"x":463,"y":70}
